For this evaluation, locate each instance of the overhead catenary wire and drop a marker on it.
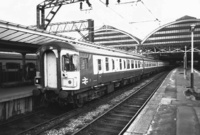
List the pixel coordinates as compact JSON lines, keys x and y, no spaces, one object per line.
{"x":137,"y":1}
{"x":150,"y":11}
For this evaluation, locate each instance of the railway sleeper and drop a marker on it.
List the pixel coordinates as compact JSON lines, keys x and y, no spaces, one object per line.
{"x":120,"y":115}
{"x":132,"y":106}
{"x":104,"y":131}
{"x":123,"y":111}
{"x":111,"y":119}
{"x":114,"y":125}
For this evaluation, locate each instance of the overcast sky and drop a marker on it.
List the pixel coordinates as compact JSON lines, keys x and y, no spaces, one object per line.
{"x":135,"y":18}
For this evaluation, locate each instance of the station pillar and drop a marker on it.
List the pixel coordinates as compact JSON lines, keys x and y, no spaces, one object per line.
{"x":23,"y":66}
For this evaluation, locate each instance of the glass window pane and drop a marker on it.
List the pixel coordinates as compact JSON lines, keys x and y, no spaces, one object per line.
{"x":10,"y":37}
{"x":5,"y":33}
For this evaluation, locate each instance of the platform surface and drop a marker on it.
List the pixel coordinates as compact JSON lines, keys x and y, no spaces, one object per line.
{"x":8,"y":94}
{"x":170,"y":111}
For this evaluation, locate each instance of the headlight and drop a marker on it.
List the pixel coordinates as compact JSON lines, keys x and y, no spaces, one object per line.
{"x":37,"y":81}
{"x":69,"y":82}
{"x":37,"y":78}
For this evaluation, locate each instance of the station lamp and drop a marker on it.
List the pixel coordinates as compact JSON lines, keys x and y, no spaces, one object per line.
{"x":192,"y":55}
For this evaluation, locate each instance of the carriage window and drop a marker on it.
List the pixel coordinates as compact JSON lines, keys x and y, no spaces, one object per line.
{"x":135,"y":64}
{"x":70,"y":62}
{"x":132,"y":64}
{"x":113,"y":64}
{"x":84,"y":63}
{"x":138,"y":64}
{"x":128,"y":64}
{"x":99,"y":65}
{"x":107,"y":64}
{"x":124,"y":64}
{"x":120,"y":64}
{"x":12,"y":66}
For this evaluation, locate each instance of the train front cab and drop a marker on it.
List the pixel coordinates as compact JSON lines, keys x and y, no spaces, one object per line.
{"x":59,"y":73}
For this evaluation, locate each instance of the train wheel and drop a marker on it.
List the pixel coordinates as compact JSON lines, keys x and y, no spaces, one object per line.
{"x":62,"y":103}
{"x":44,"y":102}
{"x":79,"y":102}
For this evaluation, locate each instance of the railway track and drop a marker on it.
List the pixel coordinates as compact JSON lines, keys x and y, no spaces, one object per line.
{"x":47,"y":123}
{"x":115,"y":120}
{"x":85,"y":123}
{"x":19,"y":124}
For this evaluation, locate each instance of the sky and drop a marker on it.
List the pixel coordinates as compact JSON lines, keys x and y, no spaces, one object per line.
{"x":136,"y":18}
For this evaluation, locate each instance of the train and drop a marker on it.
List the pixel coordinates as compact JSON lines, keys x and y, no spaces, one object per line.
{"x":11,"y":69}
{"x":75,"y":73}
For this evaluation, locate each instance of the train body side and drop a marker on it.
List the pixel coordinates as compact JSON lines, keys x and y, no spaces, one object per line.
{"x":73,"y":72}
{"x":99,"y":71}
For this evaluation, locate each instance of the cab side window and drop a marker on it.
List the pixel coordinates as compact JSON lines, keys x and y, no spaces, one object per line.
{"x":70,"y":62}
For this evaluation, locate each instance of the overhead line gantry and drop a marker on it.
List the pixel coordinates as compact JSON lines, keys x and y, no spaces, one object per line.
{"x":55,"y":5}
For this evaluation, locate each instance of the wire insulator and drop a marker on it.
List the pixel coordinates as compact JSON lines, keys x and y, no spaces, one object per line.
{"x":81,"y":5}
{"x":107,"y":2}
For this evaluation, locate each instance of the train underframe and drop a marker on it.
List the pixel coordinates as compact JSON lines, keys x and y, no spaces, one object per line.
{"x":78,"y":98}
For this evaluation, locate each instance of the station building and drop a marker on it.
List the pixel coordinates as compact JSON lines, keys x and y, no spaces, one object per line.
{"x":168,"y":42}
{"x":113,"y":37}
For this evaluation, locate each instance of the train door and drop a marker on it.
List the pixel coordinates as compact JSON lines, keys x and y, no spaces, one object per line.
{"x":50,"y":69}
{"x":98,"y":68}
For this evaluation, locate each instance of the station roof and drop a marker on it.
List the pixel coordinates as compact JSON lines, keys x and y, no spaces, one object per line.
{"x":172,"y":38}
{"x":167,"y":40}
{"x":22,"y":39}
{"x":18,"y":38}
{"x":113,"y":37}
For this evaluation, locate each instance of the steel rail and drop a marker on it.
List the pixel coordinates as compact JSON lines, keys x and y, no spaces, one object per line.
{"x":125,"y":99}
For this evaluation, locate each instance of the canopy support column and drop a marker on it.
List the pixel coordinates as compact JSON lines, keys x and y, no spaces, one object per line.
{"x":23,"y":67}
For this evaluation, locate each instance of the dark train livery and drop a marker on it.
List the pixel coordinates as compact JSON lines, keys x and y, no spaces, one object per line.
{"x":76,"y":73}
{"x":11,"y":69}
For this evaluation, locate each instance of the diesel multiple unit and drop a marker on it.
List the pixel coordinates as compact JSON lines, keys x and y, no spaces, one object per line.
{"x":76,"y":73}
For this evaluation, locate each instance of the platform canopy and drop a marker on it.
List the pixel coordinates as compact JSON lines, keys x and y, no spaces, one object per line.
{"x":22,"y":39}
{"x":116,"y":38}
{"x":18,"y":38}
{"x":171,"y":40}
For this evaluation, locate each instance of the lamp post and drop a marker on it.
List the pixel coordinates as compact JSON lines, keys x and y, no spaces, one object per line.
{"x":185,"y":62}
{"x":192,"y":56}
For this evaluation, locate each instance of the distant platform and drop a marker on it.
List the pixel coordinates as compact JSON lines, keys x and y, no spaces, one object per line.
{"x":171,"y":111}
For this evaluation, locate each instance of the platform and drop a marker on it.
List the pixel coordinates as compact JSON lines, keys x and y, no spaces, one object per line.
{"x":15,"y":101}
{"x":170,"y":111}
{"x":9,"y":94}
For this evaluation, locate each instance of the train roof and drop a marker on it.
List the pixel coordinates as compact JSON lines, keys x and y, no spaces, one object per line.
{"x":13,"y":55}
{"x":101,"y":50}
